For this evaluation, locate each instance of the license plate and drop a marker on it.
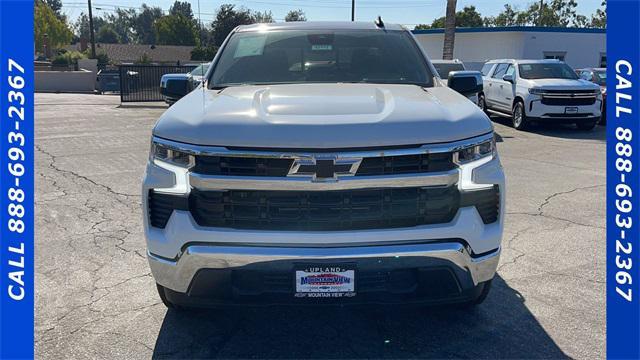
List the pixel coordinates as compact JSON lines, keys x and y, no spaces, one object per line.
{"x":571,"y":110}
{"x":325,"y":281}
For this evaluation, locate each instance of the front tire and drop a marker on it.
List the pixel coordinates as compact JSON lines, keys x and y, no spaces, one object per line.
{"x":519,"y":117}
{"x":482,"y":103}
{"x":481,"y":297}
{"x":170,"y":305}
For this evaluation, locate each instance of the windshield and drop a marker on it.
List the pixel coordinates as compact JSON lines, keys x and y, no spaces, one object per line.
{"x":546,"y":71}
{"x":276,"y":57}
{"x":600,"y":77}
{"x":445,"y":69}
{"x":201,"y":70}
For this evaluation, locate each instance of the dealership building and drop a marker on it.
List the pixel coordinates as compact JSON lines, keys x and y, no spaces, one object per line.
{"x":578,"y":47}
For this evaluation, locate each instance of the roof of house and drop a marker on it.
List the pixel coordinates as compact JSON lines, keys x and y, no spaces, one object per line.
{"x":516,"y":28}
{"x":133,"y":52}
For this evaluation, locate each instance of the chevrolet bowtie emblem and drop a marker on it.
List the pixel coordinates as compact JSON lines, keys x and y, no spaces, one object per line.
{"x":324,"y":169}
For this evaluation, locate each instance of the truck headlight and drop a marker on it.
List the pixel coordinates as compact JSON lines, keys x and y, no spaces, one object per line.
{"x":176,"y":161}
{"x":172,"y":156}
{"x":475,"y":152}
{"x":536,"y":91}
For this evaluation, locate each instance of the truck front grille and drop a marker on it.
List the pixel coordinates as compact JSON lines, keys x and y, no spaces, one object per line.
{"x":323,"y":211}
{"x":274,"y":167}
{"x":568,"y":101}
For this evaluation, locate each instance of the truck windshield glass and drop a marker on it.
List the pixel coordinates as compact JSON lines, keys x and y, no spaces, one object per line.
{"x":349,"y":56}
{"x":546,"y":71}
{"x":445,"y":69}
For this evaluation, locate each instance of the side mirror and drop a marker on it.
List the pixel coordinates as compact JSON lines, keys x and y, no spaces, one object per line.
{"x":508,"y":78}
{"x":465,"y":82}
{"x":175,"y":86}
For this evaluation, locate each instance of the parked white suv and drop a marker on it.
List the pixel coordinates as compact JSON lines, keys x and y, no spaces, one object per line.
{"x":539,"y":90}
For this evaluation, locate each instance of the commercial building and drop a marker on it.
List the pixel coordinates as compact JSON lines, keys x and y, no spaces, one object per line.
{"x":578,"y":47}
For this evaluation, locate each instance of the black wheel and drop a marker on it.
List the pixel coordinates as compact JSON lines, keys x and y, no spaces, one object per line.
{"x":587,"y":126}
{"x":519,"y":117}
{"x":163,"y":296}
{"x":482,"y":103}
{"x":482,"y":295}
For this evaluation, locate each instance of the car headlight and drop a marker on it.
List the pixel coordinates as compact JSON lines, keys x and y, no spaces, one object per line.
{"x":536,"y":91}
{"x":166,"y":154}
{"x":475,"y":152}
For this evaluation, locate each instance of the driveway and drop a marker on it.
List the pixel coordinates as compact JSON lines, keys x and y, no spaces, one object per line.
{"x":95,"y":297}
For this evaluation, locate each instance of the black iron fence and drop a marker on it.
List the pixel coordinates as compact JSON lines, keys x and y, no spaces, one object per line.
{"x":141,"y":83}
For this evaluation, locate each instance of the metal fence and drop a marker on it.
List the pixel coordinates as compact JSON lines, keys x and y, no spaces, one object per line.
{"x":141,"y":83}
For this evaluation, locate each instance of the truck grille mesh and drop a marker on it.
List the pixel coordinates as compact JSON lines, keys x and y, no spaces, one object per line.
{"x":371,"y":166}
{"x":322,"y":211}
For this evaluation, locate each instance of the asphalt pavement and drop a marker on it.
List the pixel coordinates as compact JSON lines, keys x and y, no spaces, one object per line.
{"x":95,"y":297}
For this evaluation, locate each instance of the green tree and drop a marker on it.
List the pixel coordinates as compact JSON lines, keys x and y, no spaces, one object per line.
{"x":467,"y":17}
{"x":175,"y":30}
{"x":295,"y":15}
{"x":144,"y":24}
{"x":46,"y":22}
{"x":122,"y":22}
{"x":227,"y":18}
{"x":81,"y":25}
{"x":422,"y":27}
{"x":506,"y":18}
{"x":181,"y":8}
{"x":107,"y":35}
{"x":263,"y":17}
{"x":599,"y":19}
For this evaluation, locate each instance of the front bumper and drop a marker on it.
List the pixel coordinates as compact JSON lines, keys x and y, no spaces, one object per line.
{"x":423,"y":272}
{"x":535,"y":109}
{"x":202,"y":262}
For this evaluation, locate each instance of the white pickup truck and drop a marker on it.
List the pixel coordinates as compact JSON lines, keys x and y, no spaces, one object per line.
{"x":324,"y":163}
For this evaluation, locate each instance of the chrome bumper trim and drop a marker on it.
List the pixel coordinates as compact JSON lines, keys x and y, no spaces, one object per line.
{"x":215,"y":182}
{"x":177,"y":274}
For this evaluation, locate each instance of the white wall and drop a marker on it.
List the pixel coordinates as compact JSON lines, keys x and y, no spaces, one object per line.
{"x":65,"y":81}
{"x":583,"y":49}
{"x":474,"y":48}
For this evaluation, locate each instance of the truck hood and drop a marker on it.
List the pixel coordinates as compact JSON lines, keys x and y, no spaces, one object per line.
{"x":563,"y":84}
{"x":322,"y":116}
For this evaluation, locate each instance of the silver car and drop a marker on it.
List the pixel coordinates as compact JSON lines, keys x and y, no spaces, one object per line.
{"x":324,"y":163}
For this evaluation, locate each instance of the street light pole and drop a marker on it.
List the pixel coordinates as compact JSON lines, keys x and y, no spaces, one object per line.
{"x":93,"y":40}
{"x":353,"y":10}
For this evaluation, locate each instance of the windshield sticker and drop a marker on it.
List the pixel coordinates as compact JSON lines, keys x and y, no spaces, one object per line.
{"x":250,"y":46}
{"x":321,"y":47}
{"x":526,"y":67}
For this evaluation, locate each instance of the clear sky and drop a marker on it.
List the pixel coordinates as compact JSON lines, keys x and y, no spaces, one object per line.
{"x":407,"y":12}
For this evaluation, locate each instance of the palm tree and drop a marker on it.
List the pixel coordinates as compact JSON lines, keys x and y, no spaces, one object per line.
{"x":449,"y":30}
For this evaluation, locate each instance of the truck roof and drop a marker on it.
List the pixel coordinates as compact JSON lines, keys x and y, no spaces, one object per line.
{"x":318,"y":25}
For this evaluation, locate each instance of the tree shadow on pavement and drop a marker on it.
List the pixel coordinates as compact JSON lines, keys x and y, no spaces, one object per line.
{"x":502,"y":327}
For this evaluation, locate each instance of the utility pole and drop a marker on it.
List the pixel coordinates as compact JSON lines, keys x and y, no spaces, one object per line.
{"x":93,"y":39}
{"x":540,"y":13}
{"x":353,"y":10}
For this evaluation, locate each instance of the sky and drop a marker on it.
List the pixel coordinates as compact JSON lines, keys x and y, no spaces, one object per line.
{"x":406,"y":12}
